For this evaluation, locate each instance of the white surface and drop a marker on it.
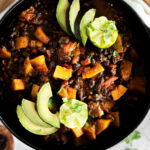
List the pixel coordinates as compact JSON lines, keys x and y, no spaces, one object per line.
{"x":144,"y":142}
{"x":141,"y":9}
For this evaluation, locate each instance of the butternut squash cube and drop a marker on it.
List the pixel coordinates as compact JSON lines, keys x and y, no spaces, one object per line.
{"x":63,"y":93}
{"x":101,"y":125}
{"x":4,"y":53}
{"x":77,"y":132}
{"x":71,"y":93}
{"x":39,"y":63}
{"x":90,"y":131}
{"x":34,"y":91}
{"x":40,"y":35}
{"x":62,"y":73}
{"x":91,"y":72}
{"x":18,"y":84}
{"x":118,"y":92}
{"x":28,"y":67}
{"x":116,"y":121}
{"x":126,"y":69}
{"x":118,"y":45}
{"x":22,"y":42}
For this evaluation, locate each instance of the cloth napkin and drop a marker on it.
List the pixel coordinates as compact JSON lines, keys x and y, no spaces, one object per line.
{"x":142,"y":9}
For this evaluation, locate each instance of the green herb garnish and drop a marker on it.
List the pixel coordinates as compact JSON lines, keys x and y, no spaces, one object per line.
{"x":133,"y":136}
{"x":114,"y":54}
{"x":91,"y":116}
{"x":86,"y":124}
{"x":71,"y":55}
{"x":76,"y":108}
{"x":67,"y":100}
{"x":62,"y":87}
{"x":97,"y":95}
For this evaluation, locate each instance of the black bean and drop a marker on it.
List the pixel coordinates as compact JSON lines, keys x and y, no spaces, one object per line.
{"x":92,"y":83}
{"x":81,"y":94}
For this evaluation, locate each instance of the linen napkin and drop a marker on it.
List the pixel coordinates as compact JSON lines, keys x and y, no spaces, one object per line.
{"x":142,"y":9}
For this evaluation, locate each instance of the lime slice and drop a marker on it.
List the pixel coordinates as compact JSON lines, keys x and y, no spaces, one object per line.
{"x":102,"y":32}
{"x":73,"y":113}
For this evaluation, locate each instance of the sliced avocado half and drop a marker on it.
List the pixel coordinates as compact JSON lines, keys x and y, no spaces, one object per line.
{"x":61,"y":12}
{"x":42,"y":106}
{"x":74,"y":10}
{"x":30,"y":111}
{"x":31,"y":127}
{"x":83,"y":19}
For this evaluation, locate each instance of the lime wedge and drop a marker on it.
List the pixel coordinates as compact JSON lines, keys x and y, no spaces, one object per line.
{"x":102,"y":32}
{"x":73,"y":113}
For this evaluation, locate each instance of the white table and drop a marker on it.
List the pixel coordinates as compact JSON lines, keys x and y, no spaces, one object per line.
{"x":141,"y":144}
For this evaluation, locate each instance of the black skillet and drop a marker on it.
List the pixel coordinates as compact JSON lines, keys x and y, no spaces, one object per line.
{"x":131,"y":117}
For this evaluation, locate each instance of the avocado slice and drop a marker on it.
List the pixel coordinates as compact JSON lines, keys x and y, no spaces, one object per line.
{"x":30,"y":111}
{"x":81,"y":24}
{"x":61,"y":12}
{"x":42,"y":106}
{"x":74,"y":10}
{"x":30,"y":126}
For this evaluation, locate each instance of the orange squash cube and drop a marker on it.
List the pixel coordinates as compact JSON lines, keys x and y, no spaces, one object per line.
{"x":118,"y":45}
{"x":4,"y":53}
{"x":126,"y":69}
{"x":62,"y":73}
{"x":118,"y":92}
{"x":91,"y":72}
{"x":71,"y":93}
{"x":77,"y":132}
{"x":39,"y":63}
{"x":28,"y":67}
{"x":63,"y":93}
{"x":90,"y":131}
{"x":18,"y":84}
{"x":40,"y":35}
{"x":101,"y":125}
{"x":116,"y":121}
{"x":22,"y":42}
{"x":34,"y":91}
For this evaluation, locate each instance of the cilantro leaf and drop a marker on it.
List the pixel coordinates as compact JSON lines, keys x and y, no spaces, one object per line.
{"x":133,"y":136}
{"x":86,"y":124}
{"x":114,"y":53}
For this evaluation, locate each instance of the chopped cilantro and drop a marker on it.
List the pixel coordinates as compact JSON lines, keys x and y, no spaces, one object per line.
{"x":64,"y":118}
{"x":76,"y":108}
{"x":91,"y":116}
{"x":86,"y":124}
{"x":71,"y":55}
{"x":67,"y":100}
{"x":114,"y":54}
{"x":90,"y":25}
{"x":96,"y":95}
{"x":133,"y":136}
{"x":60,"y":89}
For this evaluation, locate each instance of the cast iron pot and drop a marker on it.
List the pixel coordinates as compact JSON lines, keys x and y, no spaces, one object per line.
{"x":131,"y":117}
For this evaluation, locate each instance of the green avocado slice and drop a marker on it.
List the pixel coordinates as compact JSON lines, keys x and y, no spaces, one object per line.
{"x":86,"y":19}
{"x":42,"y":106}
{"x":62,"y":7}
{"x":74,"y":9}
{"x":31,"y":127}
{"x":30,"y":111}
